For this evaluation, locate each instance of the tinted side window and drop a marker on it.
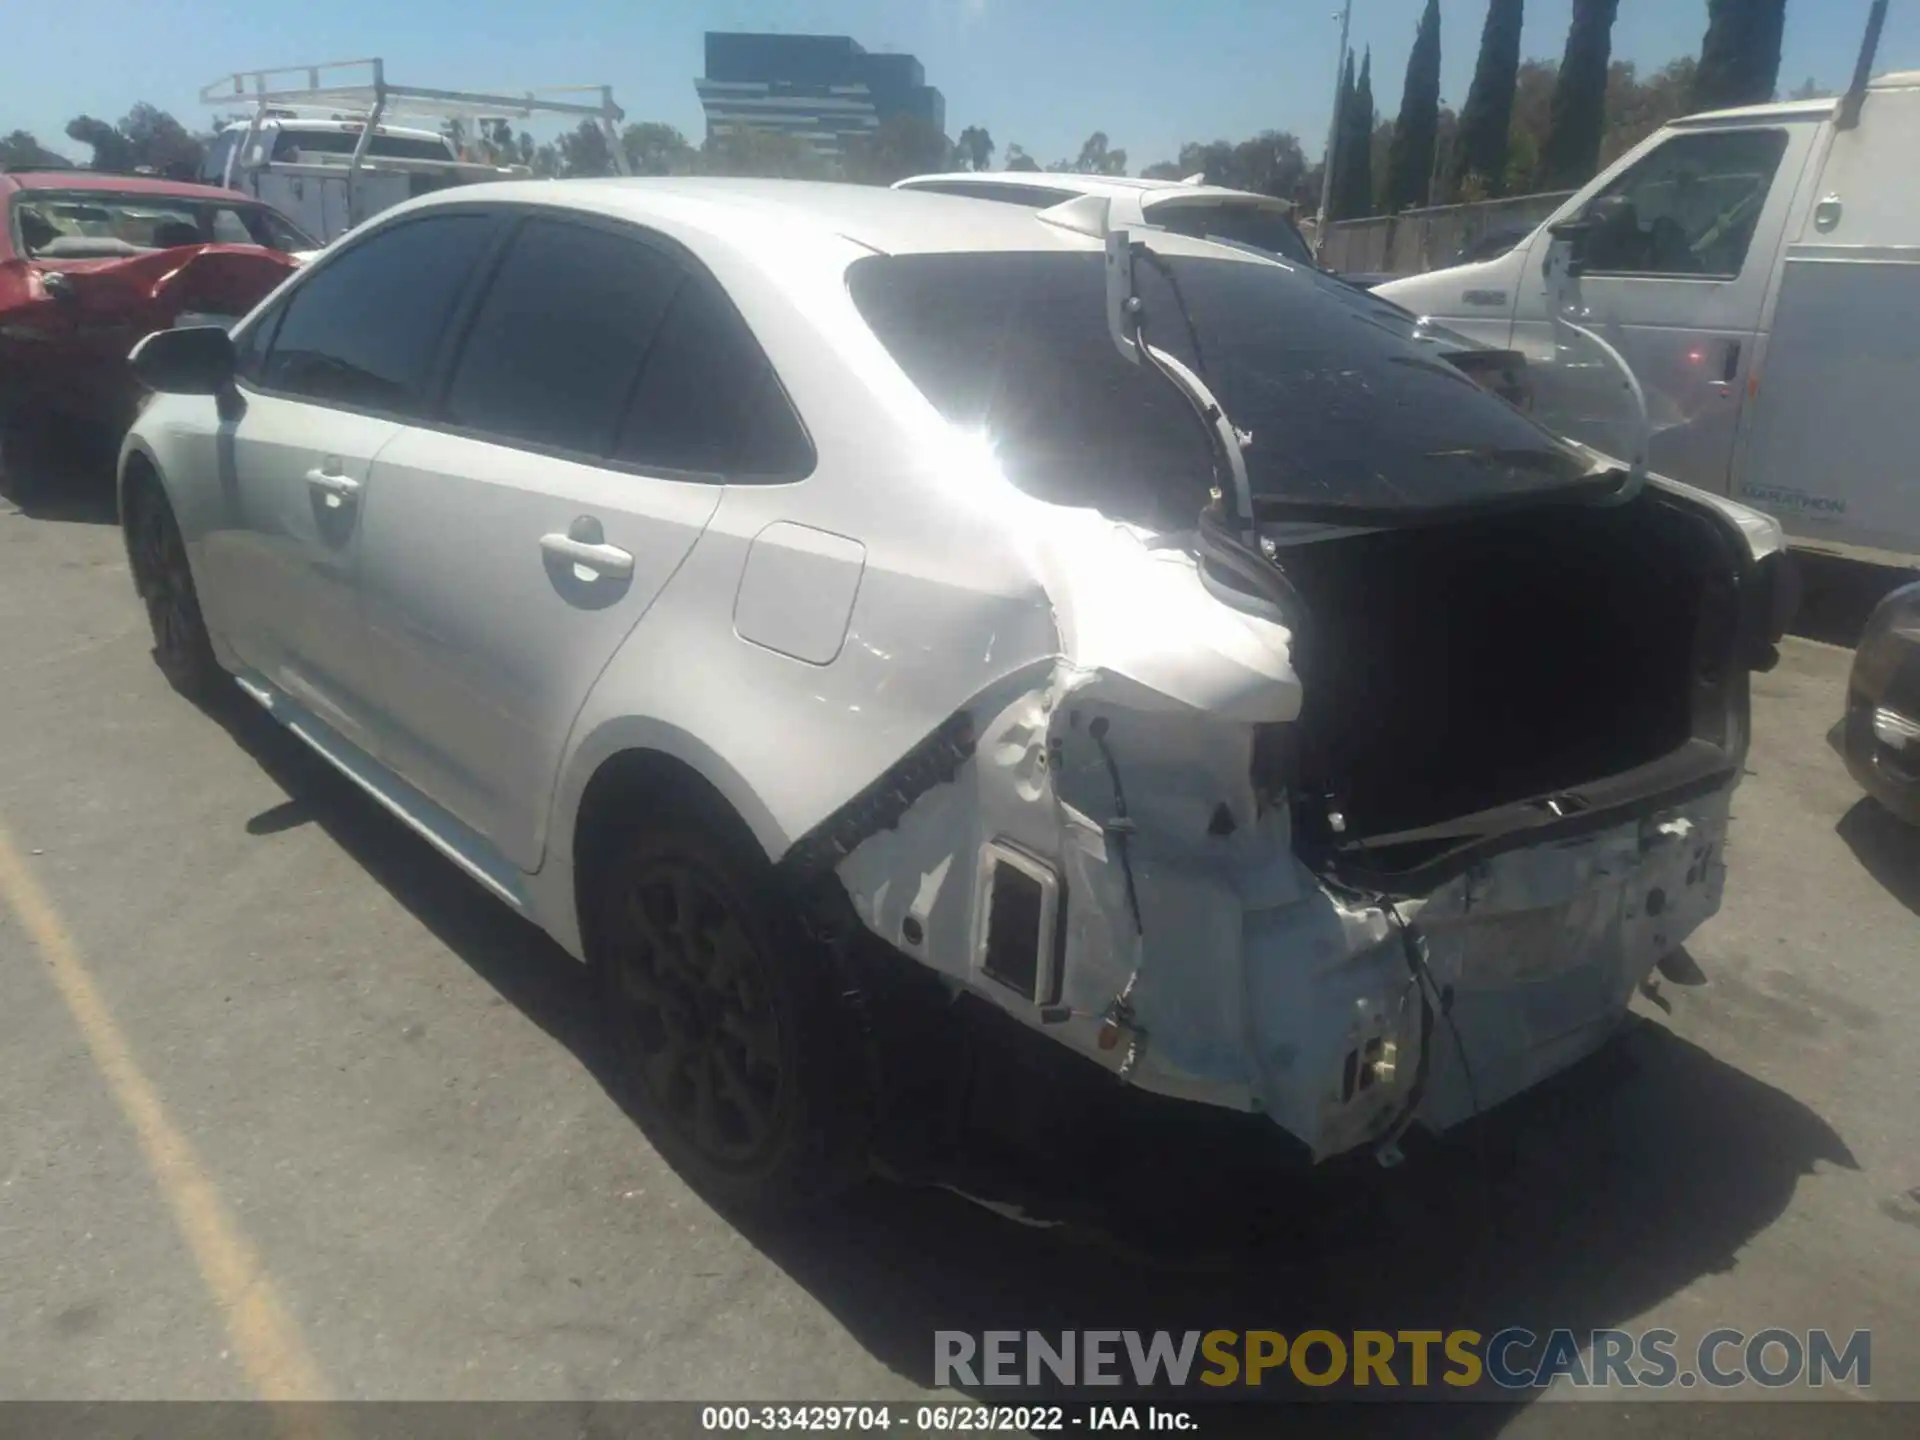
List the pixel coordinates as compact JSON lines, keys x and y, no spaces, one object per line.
{"x":1690,"y":207}
{"x":250,"y":351}
{"x":558,"y":340}
{"x":707,"y":399}
{"x":361,"y":331}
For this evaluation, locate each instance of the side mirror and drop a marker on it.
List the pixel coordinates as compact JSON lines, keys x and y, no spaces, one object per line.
{"x":59,"y":286}
{"x":192,"y":360}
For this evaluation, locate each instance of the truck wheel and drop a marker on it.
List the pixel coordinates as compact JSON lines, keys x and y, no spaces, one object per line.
{"x":738,"y":1053}
{"x":163,"y":579}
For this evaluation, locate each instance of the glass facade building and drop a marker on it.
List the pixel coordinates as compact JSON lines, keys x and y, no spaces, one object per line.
{"x":826,"y":89}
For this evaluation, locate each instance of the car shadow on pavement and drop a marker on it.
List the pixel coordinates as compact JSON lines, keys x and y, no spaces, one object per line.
{"x":1837,"y":595}
{"x":1584,"y":1204}
{"x":62,"y":478}
{"x":1887,"y":848}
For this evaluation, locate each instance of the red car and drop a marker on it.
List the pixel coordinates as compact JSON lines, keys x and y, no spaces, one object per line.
{"x":90,"y":263}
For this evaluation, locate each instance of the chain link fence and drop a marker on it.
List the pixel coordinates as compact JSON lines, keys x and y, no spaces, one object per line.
{"x":1429,"y":238}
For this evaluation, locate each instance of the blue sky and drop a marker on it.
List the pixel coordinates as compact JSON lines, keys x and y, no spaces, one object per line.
{"x":1043,"y":73}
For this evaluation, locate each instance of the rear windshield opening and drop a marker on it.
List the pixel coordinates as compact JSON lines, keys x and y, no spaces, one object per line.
{"x":1345,"y":412}
{"x":91,"y":225}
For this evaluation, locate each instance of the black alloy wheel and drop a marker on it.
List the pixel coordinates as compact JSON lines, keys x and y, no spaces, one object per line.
{"x":699,"y":1024}
{"x":737,"y":1050}
{"x":164,"y":580}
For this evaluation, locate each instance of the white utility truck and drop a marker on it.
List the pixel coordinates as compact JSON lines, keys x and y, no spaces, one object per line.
{"x":1759,"y":271}
{"x":328,"y":144}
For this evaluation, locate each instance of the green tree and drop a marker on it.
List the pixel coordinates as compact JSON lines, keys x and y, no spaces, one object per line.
{"x":584,"y":151}
{"x":161,"y":143}
{"x":1096,"y":157}
{"x":654,"y":148}
{"x":763,"y":154}
{"x":1270,"y":163}
{"x":22,"y":150}
{"x":1342,"y":150}
{"x":1533,"y":90}
{"x":1480,"y":150}
{"x":975,"y":147}
{"x":1636,"y":108}
{"x":898,"y":147}
{"x":1740,"y":53}
{"x":1570,"y":154}
{"x":111,"y":150}
{"x":1355,"y":173}
{"x":1019,"y":159}
{"x":1410,"y":157}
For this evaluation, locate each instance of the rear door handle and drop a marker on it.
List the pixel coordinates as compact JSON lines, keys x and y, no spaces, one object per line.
{"x":339,"y":489}
{"x":1729,"y":369}
{"x":609,"y":561}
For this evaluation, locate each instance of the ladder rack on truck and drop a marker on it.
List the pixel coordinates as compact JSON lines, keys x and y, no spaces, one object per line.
{"x":358,"y":91}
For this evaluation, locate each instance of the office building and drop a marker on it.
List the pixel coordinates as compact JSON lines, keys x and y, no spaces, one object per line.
{"x":826,"y":89}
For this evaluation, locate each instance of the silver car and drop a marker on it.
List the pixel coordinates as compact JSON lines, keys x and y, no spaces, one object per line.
{"x":777,"y":590}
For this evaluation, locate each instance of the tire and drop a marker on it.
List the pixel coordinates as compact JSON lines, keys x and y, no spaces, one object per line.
{"x":739,"y":1054}
{"x":164,"y":581}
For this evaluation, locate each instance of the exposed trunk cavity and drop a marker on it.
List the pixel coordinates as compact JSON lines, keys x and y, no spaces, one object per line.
{"x":1536,"y":665}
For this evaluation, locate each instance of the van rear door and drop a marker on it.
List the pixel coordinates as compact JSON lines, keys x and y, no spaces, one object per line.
{"x":1832,"y":430}
{"x":1676,"y":281}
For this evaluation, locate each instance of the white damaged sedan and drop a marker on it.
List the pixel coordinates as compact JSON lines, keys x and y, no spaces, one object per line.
{"x":769,"y":588}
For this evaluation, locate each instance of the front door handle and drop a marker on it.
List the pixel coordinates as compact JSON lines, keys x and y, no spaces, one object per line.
{"x":608,"y":561}
{"x":339,"y":489}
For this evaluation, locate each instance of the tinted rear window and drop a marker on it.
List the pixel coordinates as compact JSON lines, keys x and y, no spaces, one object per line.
{"x":1247,"y":224}
{"x":1345,"y":412}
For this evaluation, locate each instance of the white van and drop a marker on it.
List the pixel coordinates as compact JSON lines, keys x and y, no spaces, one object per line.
{"x":1759,"y":270}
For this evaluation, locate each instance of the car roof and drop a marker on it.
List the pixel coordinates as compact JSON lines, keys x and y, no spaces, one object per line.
{"x":120,"y":184}
{"x":1072,"y":182}
{"x":883,"y":220}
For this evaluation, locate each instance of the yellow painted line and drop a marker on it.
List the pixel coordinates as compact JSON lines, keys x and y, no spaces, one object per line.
{"x":261,"y":1331}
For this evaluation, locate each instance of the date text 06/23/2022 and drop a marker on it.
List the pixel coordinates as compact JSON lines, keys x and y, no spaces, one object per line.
{"x":945,"y":1418}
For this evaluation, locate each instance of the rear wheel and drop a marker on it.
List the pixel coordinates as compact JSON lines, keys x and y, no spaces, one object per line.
{"x":738,"y":1052}
{"x":163,"y":579}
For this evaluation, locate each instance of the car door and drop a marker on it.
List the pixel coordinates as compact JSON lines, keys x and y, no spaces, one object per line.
{"x":1676,"y":281}
{"x":602,"y":392}
{"x":347,"y":364}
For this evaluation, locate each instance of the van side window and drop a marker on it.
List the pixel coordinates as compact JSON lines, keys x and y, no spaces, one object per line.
{"x":1689,"y":208}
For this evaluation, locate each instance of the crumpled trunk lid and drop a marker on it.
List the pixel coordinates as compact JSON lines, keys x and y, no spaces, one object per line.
{"x":72,"y":349}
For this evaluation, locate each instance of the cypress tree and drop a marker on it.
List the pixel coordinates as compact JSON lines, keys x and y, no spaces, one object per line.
{"x":1342,"y":157}
{"x":1480,"y":148}
{"x":1410,"y":157}
{"x":1571,"y":152}
{"x":1360,"y":140}
{"x":1740,"y":54}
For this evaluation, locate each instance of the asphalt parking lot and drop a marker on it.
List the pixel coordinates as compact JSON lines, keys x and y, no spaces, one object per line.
{"x":293,"y":1108}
